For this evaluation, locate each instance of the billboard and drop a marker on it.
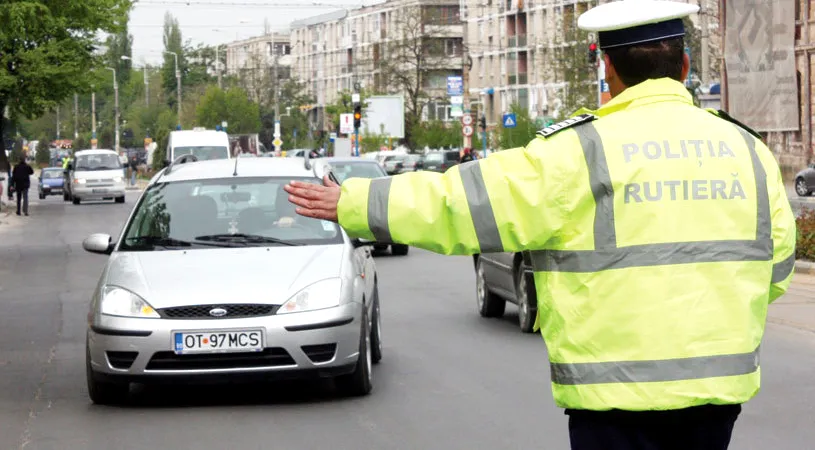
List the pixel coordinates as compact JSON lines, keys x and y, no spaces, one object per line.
{"x":762,"y":85}
{"x":385,"y":114}
{"x":244,"y":143}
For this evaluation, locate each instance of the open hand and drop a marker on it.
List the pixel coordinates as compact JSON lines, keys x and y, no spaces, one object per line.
{"x":314,"y":200}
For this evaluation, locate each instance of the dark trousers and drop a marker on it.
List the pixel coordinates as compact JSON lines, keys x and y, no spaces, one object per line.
{"x":706,"y":427}
{"x":22,"y":196}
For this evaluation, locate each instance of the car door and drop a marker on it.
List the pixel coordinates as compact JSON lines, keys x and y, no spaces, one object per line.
{"x":809,"y":176}
{"x":498,"y":273}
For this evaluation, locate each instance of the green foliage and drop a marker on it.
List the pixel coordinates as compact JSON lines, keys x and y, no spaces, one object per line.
{"x":82,"y":142}
{"x":522,"y":134}
{"x":437,"y":134}
{"x":371,"y":142}
{"x":344,"y":105}
{"x":805,"y":247}
{"x":172,"y":43}
{"x":46,"y":50}
{"x":118,"y":45}
{"x":242,"y":115}
{"x":16,"y":153}
{"x":43,"y":157}
{"x":164,"y":125}
{"x":580,"y":89}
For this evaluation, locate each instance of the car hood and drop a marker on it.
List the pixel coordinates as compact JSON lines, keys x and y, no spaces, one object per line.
{"x":52,"y":181}
{"x":98,"y":174}
{"x":268,"y":275}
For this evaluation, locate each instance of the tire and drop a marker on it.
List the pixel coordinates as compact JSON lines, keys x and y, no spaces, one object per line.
{"x":104,"y":393}
{"x":526,"y":308}
{"x":359,"y":383}
{"x":376,"y":329}
{"x":42,"y":196}
{"x":399,"y":249}
{"x":380,"y":248}
{"x":801,"y":187}
{"x":120,"y":199}
{"x":489,"y":304}
{"x":75,"y":200}
{"x":65,"y":197}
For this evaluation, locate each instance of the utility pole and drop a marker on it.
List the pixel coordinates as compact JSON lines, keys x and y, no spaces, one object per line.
{"x":57,"y":122}
{"x":276,"y":98}
{"x":465,"y":80}
{"x":703,"y":18}
{"x":116,"y":109}
{"x":93,"y":120}
{"x":146,"y":87}
{"x":177,"y":85}
{"x":218,"y":67}
{"x":76,"y":116}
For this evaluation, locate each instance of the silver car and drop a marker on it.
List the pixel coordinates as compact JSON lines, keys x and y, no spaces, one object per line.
{"x":216,"y":276}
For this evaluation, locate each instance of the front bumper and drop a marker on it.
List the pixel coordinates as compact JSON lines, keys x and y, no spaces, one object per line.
{"x":84,"y":192}
{"x":296,"y":345}
{"x":51,"y":190}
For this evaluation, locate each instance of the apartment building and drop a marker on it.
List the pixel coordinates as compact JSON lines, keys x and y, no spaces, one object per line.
{"x":517,"y":48}
{"x":253,"y":61}
{"x":339,"y":51}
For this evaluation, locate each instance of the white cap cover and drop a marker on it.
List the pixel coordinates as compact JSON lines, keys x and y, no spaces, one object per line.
{"x":629,"y":22}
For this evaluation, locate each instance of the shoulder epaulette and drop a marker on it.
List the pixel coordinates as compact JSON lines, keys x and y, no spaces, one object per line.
{"x":568,"y":123}
{"x":723,"y":115}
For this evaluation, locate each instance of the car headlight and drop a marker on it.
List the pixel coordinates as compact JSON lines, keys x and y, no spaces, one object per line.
{"x":320,"y":295}
{"x":79,"y":181}
{"x":117,"y":301}
{"x":118,"y":179}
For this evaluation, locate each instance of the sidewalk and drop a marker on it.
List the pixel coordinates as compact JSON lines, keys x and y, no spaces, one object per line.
{"x":140,"y":185}
{"x":797,"y":307}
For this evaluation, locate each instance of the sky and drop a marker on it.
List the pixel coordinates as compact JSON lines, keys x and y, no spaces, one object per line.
{"x":220,"y":21}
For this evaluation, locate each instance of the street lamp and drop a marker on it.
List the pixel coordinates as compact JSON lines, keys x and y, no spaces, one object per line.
{"x":177,"y":84}
{"x":146,"y":82}
{"x":115,"y":107}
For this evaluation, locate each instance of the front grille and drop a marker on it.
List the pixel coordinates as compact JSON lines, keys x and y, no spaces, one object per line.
{"x":232,"y":311}
{"x":121,"y":360}
{"x":270,"y":357}
{"x":320,"y":353}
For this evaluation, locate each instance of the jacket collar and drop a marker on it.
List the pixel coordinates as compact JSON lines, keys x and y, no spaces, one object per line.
{"x":647,"y":92}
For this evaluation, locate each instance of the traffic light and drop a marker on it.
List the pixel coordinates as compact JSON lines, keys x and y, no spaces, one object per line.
{"x":592,"y":53}
{"x":357,"y":115}
{"x":482,"y":122}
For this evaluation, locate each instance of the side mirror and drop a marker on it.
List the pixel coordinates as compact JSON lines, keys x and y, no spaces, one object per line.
{"x":357,"y":243}
{"x":322,"y":168}
{"x":98,"y":243}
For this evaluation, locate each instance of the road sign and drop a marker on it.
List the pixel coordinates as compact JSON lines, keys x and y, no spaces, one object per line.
{"x":456,"y":110}
{"x":467,"y":130}
{"x":277,"y":143}
{"x":510,"y":121}
{"x":355,"y":98}
{"x":457,"y":100}
{"x":455,"y":85}
{"x":332,"y":137}
{"x":467,"y":119}
{"x":224,"y":124}
{"x":346,"y":123}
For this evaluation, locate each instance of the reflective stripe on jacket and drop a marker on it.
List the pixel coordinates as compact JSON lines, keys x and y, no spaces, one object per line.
{"x":658,"y":233}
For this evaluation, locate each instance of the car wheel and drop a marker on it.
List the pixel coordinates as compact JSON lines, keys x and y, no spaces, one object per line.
{"x":801,"y":187}
{"x":526,"y":309}
{"x":376,"y":329}
{"x":75,"y":200}
{"x":65,"y":197}
{"x":380,"y":248}
{"x":359,"y":382}
{"x":120,"y":199}
{"x":399,"y":249}
{"x":42,"y":196}
{"x":104,"y":393}
{"x":489,"y":304}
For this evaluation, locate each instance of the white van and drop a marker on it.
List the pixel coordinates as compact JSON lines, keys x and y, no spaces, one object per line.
{"x":204,"y":144}
{"x":94,"y":175}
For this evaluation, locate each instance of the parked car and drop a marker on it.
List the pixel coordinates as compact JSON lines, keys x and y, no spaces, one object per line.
{"x":347,"y":167}
{"x":805,"y":181}
{"x":94,"y":175}
{"x":502,"y":277}
{"x":51,"y":182}
{"x":215,"y":276}
{"x":440,"y":161}
{"x":394,"y":163}
{"x":404,"y":163}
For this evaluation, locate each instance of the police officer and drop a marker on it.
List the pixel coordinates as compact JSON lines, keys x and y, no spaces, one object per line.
{"x":658,"y":232}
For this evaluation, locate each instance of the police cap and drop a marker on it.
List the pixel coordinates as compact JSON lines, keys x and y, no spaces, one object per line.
{"x":628,"y":22}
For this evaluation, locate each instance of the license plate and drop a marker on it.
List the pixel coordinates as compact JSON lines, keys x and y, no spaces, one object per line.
{"x":218,"y":341}
{"x":99,"y":191}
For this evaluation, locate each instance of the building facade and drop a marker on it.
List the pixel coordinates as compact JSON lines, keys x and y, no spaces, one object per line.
{"x":369,"y":48}
{"x":254,"y":62}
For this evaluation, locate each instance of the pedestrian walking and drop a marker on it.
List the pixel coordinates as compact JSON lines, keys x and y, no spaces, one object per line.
{"x":658,"y":233}
{"x":21,"y":177}
{"x":134,"y":168}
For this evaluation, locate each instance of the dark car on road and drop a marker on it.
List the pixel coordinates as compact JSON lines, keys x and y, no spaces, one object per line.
{"x":440,"y":161}
{"x":805,"y":181}
{"x":502,"y":278}
{"x":51,"y":182}
{"x":350,"y":167}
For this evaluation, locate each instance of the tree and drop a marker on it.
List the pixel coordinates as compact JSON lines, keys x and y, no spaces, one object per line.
{"x":172,"y":43}
{"x":56,"y":56}
{"x":233,"y":106}
{"x":16,"y":154}
{"x":522,"y":134}
{"x":43,"y":157}
{"x":118,"y":45}
{"x":579,"y":89}
{"x":411,"y":58}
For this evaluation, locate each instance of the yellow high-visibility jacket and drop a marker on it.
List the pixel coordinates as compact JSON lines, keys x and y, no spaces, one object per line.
{"x":658,"y":233}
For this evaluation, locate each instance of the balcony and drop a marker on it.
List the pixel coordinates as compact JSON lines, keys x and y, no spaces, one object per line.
{"x":516,"y":41}
{"x":519,"y":78}
{"x":444,"y":30}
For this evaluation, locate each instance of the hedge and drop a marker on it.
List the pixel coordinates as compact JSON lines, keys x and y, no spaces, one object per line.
{"x":805,"y":247}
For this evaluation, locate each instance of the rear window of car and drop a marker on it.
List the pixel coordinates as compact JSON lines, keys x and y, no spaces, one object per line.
{"x":433,"y":157}
{"x":357,"y":170}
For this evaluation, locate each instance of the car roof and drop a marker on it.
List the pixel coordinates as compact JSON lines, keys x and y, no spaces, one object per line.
{"x":350,"y":159}
{"x":98,"y":151}
{"x":246,"y":168}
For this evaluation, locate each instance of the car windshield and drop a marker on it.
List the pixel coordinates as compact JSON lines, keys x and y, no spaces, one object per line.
{"x":203,"y":153}
{"x":102,"y":161}
{"x":433,"y":157}
{"x":357,"y":170}
{"x":51,"y":174}
{"x":223,"y":212}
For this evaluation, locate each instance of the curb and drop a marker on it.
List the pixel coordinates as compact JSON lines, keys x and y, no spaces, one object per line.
{"x":805,"y":267}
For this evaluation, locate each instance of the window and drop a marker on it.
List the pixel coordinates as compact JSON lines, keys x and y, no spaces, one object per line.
{"x":452,"y":47}
{"x":442,"y":15}
{"x":99,"y":161}
{"x":481,"y":67}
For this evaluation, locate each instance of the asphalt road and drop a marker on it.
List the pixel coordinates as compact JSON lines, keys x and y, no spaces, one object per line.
{"x":448,"y":380}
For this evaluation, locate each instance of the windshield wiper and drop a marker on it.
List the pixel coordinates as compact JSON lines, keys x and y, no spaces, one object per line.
{"x":160,"y":241}
{"x":245,"y":239}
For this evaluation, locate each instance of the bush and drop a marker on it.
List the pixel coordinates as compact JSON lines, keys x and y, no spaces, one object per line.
{"x":805,"y":247}
{"x":43,"y":156}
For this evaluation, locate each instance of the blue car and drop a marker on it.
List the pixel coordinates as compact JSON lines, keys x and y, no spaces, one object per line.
{"x":51,"y":182}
